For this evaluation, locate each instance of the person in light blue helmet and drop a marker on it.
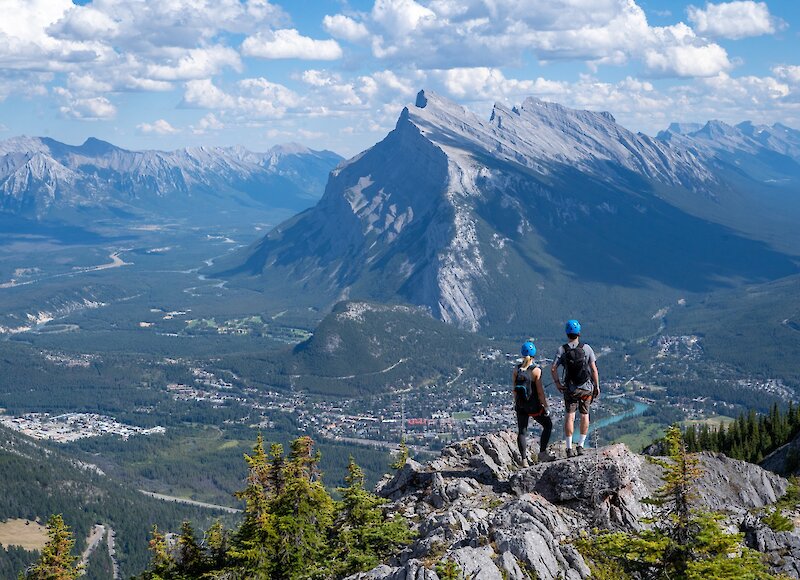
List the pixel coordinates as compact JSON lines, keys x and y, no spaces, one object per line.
{"x":580,"y":384}
{"x":530,"y":402}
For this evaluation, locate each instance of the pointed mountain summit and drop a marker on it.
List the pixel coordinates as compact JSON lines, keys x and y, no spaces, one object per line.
{"x":518,"y":217}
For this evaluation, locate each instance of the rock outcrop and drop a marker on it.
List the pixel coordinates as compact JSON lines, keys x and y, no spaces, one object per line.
{"x":476,"y":506}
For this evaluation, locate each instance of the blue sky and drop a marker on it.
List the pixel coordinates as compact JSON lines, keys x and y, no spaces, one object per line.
{"x":336,"y":74}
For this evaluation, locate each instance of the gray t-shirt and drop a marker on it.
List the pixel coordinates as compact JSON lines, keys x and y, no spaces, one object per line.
{"x":590,"y":356}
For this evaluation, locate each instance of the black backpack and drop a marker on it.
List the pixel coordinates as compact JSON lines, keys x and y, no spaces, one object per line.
{"x":528,"y":401}
{"x":576,"y":366}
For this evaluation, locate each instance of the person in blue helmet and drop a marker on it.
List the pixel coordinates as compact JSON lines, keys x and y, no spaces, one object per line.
{"x":530,"y":402}
{"x":580,"y":385}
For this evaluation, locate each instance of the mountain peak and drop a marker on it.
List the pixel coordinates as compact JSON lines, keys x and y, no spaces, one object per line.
{"x":291,"y":148}
{"x":94,"y":146}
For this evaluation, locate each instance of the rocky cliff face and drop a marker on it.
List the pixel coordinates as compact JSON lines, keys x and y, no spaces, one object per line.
{"x":476,"y":506}
{"x":470,"y":217}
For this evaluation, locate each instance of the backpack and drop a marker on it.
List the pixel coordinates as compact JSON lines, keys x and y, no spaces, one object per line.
{"x":576,"y":367}
{"x":527,"y":400}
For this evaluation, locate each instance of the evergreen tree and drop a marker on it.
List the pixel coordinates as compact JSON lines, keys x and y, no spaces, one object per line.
{"x":216,"y":546}
{"x":302,"y":515}
{"x":681,"y":543}
{"x":363,"y":535}
{"x":190,"y":555}
{"x":292,"y":529}
{"x":253,"y":546}
{"x":402,"y":455}
{"x":162,"y":564}
{"x":56,"y":561}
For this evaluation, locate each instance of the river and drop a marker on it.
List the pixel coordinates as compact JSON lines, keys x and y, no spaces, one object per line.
{"x":638,"y":409}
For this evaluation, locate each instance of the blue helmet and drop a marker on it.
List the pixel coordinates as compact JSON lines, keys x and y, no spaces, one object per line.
{"x":528,"y":349}
{"x":573,"y":327}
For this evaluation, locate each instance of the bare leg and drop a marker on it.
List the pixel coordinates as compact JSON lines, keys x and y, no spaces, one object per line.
{"x":584,"y":423}
{"x":569,"y":426}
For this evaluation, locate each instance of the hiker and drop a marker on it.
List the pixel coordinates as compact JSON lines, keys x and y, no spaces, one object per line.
{"x":581,"y":384}
{"x":529,"y":401}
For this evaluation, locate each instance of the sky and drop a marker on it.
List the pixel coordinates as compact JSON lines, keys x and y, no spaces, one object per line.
{"x":335,"y":74}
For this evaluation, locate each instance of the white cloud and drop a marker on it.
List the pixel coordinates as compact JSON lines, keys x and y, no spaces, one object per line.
{"x":119,"y":45}
{"x":159,"y":127}
{"x":293,"y":134}
{"x":289,"y":43}
{"x":196,"y":63}
{"x":203,"y":94}
{"x":254,"y":97}
{"x":85,"y":109}
{"x":733,"y":19}
{"x":790,"y":73}
{"x":687,"y":60}
{"x":402,"y":17}
{"x":208,"y":123}
{"x":344,"y":27}
{"x":455,"y":34}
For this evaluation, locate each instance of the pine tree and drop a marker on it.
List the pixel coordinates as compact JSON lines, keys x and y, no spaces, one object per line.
{"x":253,"y":545}
{"x":216,"y":545}
{"x":681,"y":543}
{"x":402,"y":455}
{"x":303,"y":515}
{"x":162,"y":564}
{"x":56,"y":561}
{"x":190,"y":557}
{"x":363,"y":535}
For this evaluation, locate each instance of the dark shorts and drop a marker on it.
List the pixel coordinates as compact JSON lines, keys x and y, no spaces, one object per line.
{"x":578,"y":403}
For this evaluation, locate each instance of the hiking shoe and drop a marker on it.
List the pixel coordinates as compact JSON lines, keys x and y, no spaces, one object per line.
{"x":545,"y":456}
{"x":579,"y":450}
{"x":570,"y":453}
{"x":525,"y":463}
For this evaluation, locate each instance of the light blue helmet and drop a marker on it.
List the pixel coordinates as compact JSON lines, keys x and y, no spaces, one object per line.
{"x":573,"y":327}
{"x":528,"y":349}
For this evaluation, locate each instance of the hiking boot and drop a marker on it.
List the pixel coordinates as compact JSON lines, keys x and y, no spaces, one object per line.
{"x":545,"y":456}
{"x":570,"y":453}
{"x":579,"y":449}
{"x":525,"y":463}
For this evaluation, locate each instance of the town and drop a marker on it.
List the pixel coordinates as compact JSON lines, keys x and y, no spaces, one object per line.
{"x":72,"y":426}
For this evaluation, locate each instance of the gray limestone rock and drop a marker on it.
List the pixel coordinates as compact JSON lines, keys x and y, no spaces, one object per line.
{"x":604,"y":486}
{"x":476,"y":505}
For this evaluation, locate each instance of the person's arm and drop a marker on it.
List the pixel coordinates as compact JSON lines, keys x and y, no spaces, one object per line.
{"x":554,"y":372}
{"x":595,"y":379}
{"x":540,"y":391}
{"x":514,"y":385}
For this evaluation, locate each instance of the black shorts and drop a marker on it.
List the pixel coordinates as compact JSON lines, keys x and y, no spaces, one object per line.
{"x":578,"y":403}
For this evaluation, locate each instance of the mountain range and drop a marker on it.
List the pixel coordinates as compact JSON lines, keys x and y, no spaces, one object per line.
{"x":45,"y":180}
{"x":538,"y":213}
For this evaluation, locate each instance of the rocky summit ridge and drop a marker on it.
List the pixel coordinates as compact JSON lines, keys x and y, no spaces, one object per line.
{"x":476,"y":506}
{"x":43,"y":178}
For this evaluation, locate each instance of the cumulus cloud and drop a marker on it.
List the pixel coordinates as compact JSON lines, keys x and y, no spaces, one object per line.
{"x":159,"y":127}
{"x":117,"y":45}
{"x":255,"y":97}
{"x":210,"y":122}
{"x":289,"y":43}
{"x":85,"y":109}
{"x":790,"y":73}
{"x":344,"y":27}
{"x":195,"y":63}
{"x":733,"y":19}
{"x":446,"y":34}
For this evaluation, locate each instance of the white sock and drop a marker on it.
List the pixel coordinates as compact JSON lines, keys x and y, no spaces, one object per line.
{"x":568,"y":440}
{"x":582,"y":439}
